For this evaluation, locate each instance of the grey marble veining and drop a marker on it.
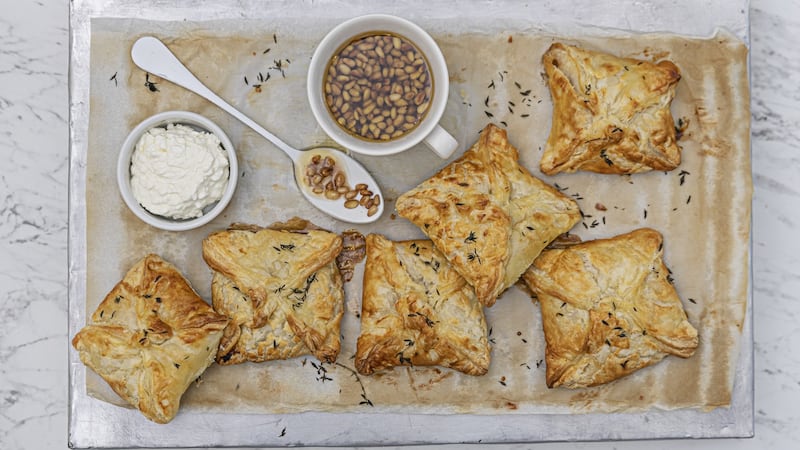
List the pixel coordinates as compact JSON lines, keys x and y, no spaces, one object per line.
{"x":775,"y":65}
{"x":33,"y":229}
{"x":33,"y":224}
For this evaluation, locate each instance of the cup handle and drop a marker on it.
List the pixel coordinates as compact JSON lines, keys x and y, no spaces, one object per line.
{"x":441,"y":142}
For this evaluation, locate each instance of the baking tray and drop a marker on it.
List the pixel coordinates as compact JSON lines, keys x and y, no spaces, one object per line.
{"x":95,"y":423}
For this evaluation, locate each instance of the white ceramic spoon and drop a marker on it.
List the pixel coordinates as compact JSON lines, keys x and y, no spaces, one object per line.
{"x":151,"y":55}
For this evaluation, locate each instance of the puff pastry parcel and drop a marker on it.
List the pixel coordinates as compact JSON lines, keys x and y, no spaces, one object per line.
{"x":611,"y":115}
{"x":151,"y":337}
{"x":281,"y":289}
{"x":417,"y":310}
{"x":488,"y":215}
{"x":608,"y":309}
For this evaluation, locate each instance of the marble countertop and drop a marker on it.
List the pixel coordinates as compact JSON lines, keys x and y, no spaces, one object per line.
{"x":34,"y":125}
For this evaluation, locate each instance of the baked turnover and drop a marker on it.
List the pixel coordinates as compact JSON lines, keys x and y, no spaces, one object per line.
{"x":151,"y":337}
{"x":488,"y":215}
{"x":417,"y":310}
{"x":281,"y":290}
{"x":608,"y":309}
{"x":610,"y":114}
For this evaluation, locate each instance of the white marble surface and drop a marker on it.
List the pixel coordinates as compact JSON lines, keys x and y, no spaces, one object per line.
{"x":33,"y":229}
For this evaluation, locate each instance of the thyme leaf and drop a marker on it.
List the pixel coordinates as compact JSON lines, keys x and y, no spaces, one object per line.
{"x":365,"y":401}
{"x":473,"y":256}
{"x":606,"y":158}
{"x":149,"y":84}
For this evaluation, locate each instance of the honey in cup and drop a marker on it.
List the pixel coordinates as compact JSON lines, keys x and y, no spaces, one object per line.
{"x":378,"y":86}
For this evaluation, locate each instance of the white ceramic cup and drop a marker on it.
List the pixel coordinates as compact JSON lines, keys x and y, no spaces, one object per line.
{"x":428,"y":130}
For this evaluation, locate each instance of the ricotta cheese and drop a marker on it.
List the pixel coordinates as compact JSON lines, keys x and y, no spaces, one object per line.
{"x":177,"y":171}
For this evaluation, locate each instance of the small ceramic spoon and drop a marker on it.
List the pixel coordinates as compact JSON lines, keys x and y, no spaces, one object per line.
{"x":151,"y":55}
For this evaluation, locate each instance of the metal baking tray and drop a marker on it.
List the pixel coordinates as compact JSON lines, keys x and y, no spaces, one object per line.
{"x":94,"y":423}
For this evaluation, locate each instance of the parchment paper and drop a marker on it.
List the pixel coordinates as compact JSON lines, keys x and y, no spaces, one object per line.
{"x":702,"y":208}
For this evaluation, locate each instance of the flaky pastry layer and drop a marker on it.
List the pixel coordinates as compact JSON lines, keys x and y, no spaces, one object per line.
{"x":417,"y":310}
{"x":610,"y":114}
{"x":608,"y":309}
{"x":281,"y":289}
{"x":488,"y":215}
{"x":151,"y":337}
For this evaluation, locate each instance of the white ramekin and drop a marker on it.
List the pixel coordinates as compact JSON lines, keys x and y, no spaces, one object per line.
{"x":124,"y":169}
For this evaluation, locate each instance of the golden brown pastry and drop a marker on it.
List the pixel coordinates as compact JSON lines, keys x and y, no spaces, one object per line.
{"x":610,"y":115}
{"x":281,"y":289}
{"x":488,"y":215}
{"x":417,"y":310}
{"x":608,"y":309}
{"x":352,"y":251}
{"x":151,"y":337}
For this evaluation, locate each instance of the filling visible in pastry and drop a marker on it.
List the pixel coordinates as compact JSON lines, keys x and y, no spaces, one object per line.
{"x":281,"y":289}
{"x":417,"y":310}
{"x":151,"y":337}
{"x":608,"y":309}
{"x":488,"y":215}
{"x":610,"y":114}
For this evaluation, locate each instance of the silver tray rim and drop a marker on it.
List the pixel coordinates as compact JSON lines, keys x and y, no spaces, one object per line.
{"x":93,"y":423}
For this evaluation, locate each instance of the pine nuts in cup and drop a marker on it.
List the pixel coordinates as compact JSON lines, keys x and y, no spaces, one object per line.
{"x":372,"y":101}
{"x":378,"y":86}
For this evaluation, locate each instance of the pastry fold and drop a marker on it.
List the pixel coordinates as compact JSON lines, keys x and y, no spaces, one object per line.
{"x":608,"y":309}
{"x":281,"y":290}
{"x":151,"y":337}
{"x":610,"y":114}
{"x":488,"y":215}
{"x":417,"y":310}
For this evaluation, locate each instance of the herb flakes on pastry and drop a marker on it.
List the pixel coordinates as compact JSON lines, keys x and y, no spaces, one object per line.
{"x":281,"y":289}
{"x":608,"y":309}
{"x":151,"y":337}
{"x":488,"y":215}
{"x":610,"y":114}
{"x":417,"y":310}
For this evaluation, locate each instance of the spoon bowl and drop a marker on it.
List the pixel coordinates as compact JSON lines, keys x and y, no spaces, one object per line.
{"x":151,"y":55}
